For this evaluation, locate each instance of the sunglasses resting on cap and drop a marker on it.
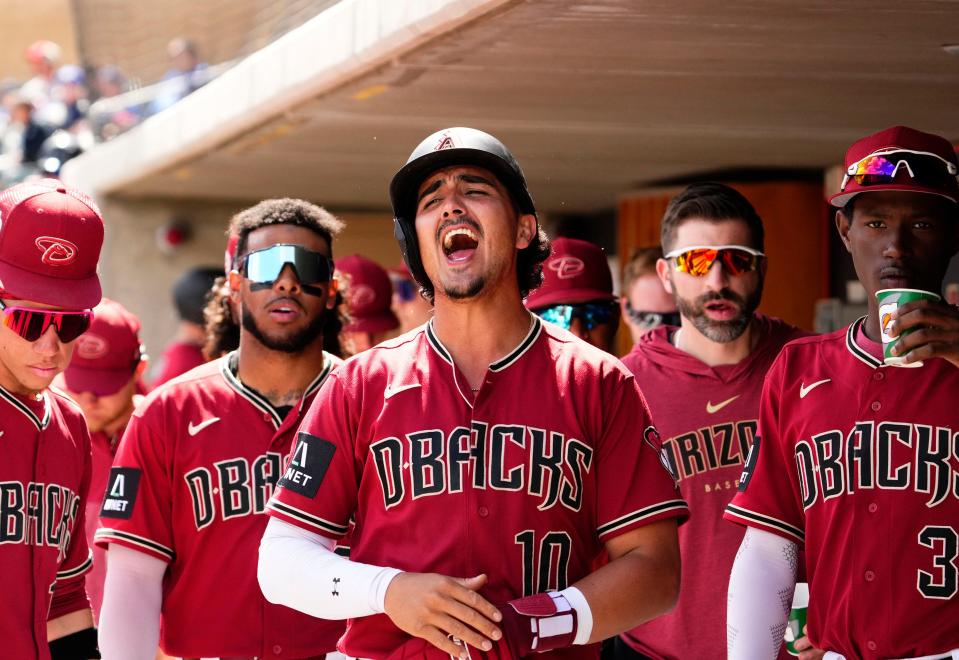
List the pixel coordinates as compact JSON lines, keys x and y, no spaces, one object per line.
{"x":927,"y":169}
{"x":264,"y":266}
{"x":696,"y":260}
{"x":30,"y":323}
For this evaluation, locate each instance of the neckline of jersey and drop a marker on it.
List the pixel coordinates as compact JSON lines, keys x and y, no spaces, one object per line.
{"x":258,"y":400}
{"x":861,"y":353}
{"x":504,"y":362}
{"x":24,"y":409}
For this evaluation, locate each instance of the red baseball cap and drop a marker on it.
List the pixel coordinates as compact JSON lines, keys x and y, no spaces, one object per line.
{"x":891,"y":140}
{"x":50,"y":239}
{"x":368,"y":293}
{"x":575,"y":272}
{"x":105,"y":356}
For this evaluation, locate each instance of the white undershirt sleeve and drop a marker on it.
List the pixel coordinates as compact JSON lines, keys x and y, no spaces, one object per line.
{"x":299,"y":569}
{"x":132,"y":596}
{"x":761,"y":588}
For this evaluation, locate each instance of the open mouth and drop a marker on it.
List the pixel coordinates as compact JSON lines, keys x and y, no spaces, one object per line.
{"x":721,"y":309}
{"x":459,"y":244}
{"x":283,"y":311}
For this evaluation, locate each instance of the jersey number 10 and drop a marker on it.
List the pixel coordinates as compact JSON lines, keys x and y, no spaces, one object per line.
{"x":545,"y":564}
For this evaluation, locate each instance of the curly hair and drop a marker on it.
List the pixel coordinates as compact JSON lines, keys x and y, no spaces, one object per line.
{"x":222,"y":328}
{"x":283,"y":211}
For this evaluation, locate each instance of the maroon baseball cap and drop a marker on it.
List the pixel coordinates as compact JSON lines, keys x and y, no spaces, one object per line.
{"x":901,"y":138}
{"x":50,"y":239}
{"x":105,"y":356}
{"x":368,"y":293}
{"x":575,"y":272}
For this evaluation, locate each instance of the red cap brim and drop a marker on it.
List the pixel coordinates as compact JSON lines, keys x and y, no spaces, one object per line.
{"x":61,"y":293}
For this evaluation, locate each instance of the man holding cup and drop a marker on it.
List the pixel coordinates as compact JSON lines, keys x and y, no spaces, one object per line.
{"x":857,"y":459}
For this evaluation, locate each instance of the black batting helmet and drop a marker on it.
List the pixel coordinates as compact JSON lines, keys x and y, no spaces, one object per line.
{"x":451,"y":146}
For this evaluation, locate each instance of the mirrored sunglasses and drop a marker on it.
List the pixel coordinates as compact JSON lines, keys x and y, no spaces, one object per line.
{"x":926,"y":169}
{"x":30,"y":323}
{"x":406,"y":291}
{"x":698,"y":259}
{"x":589,"y":314}
{"x":649,"y":320}
{"x":264,"y":266}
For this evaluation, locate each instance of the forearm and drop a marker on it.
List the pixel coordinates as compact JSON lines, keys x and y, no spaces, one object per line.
{"x":299,"y":569}
{"x":635,"y":586}
{"x":763,"y":572}
{"x":132,"y":598}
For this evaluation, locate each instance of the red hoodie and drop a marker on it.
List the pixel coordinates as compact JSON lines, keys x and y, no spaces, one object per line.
{"x":707,"y":417}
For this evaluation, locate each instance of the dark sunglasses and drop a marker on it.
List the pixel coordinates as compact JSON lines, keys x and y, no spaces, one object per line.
{"x":406,"y":291}
{"x":927,"y":169}
{"x":650,"y":320}
{"x":264,"y":266}
{"x":30,"y":323}
{"x":589,"y":314}
{"x":698,"y":259}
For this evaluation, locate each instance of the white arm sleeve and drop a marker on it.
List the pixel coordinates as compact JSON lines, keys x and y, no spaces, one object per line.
{"x":132,"y":596}
{"x":299,"y":569}
{"x":761,"y":588}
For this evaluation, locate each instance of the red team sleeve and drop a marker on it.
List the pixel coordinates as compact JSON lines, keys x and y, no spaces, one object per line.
{"x":768,"y":498}
{"x":636,"y":486}
{"x":318,"y":490}
{"x":137,"y":507}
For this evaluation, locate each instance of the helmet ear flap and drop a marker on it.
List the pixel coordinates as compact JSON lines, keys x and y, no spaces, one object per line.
{"x":405,"y":235}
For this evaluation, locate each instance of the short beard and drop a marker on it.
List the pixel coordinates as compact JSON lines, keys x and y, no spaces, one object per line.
{"x":469,"y":291}
{"x":721,"y":332}
{"x":293,"y":343}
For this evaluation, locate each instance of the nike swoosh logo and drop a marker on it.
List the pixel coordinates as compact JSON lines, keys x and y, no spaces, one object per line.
{"x":710,"y":408}
{"x":193,"y":429}
{"x":391,"y":391}
{"x":806,"y":389}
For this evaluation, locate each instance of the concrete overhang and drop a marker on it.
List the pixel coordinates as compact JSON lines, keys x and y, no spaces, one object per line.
{"x":594,"y":96}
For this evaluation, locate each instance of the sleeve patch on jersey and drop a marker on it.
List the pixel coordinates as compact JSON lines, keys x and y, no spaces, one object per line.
{"x":750,"y":466}
{"x":121,"y":493}
{"x":308,"y":465}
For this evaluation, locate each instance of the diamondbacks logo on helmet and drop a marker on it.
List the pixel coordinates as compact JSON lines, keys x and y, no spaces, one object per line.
{"x":91,"y":347}
{"x":56,"y":251}
{"x":566,"y":268}
{"x":446,"y":142}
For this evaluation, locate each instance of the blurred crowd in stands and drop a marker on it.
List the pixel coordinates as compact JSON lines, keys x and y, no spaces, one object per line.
{"x":64,"y":108}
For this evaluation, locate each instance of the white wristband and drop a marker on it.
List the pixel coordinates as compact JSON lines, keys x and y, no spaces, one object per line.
{"x":584,"y":616}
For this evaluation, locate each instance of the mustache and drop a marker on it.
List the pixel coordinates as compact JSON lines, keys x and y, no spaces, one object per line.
{"x":460,"y":220}
{"x":722,"y":294}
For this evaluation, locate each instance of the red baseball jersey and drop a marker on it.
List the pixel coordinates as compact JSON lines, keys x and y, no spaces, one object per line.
{"x":103,"y":447}
{"x":859,"y":463}
{"x":707,"y":417}
{"x":193,"y":472}
{"x":523,"y":480}
{"x":44,"y":478}
{"x":178,"y":358}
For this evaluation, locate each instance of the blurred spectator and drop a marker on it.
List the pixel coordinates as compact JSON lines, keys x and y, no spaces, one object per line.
{"x":103,"y":378}
{"x":185,"y":75}
{"x":190,"y":294}
{"x":577,"y":292}
{"x":42,"y":58}
{"x":644,"y":301}
{"x":412,"y":309}
{"x":71,"y":97}
{"x":110,"y":119}
{"x":22,"y":141}
{"x":366,"y":288}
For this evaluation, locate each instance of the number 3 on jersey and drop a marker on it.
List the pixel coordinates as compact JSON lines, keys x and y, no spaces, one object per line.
{"x":546,"y":563}
{"x":946,"y":540}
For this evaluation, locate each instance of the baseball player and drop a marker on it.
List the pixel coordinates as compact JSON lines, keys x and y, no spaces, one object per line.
{"x":50,"y":238}
{"x":644,"y":302}
{"x":191,"y":291}
{"x":702,"y":381}
{"x":368,"y":292}
{"x":577,"y":293}
{"x":103,"y":375}
{"x":201,"y":456}
{"x":856,"y":461}
{"x":487,"y":457}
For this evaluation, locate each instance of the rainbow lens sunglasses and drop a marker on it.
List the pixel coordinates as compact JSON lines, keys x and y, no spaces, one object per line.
{"x":30,"y":323}
{"x":925,"y":168}
{"x":264,"y":266}
{"x":696,"y":260}
{"x":589,"y":314}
